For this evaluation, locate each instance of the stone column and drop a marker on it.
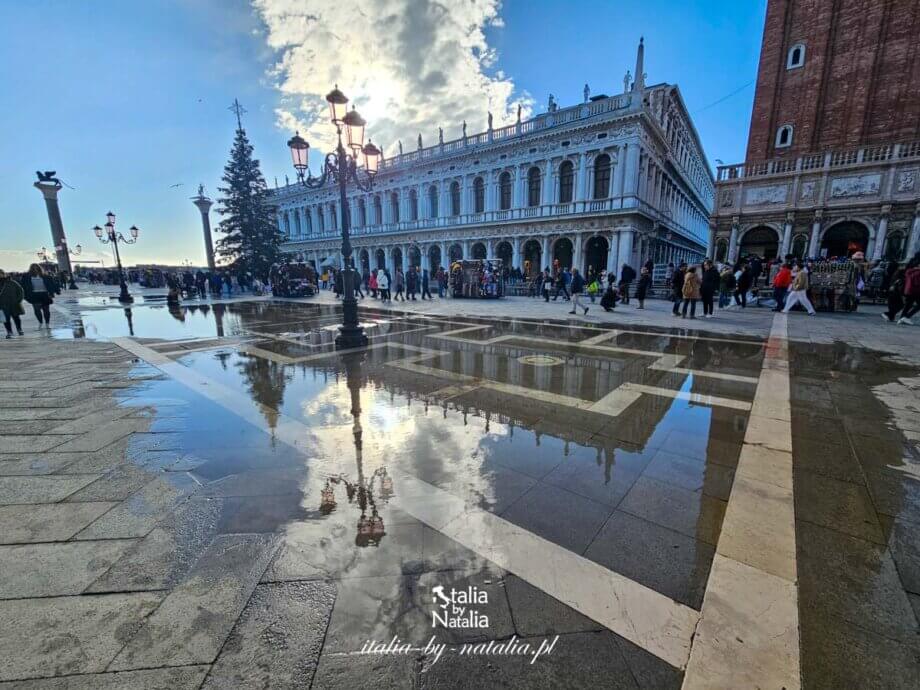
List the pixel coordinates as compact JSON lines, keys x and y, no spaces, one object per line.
{"x":631,"y":171}
{"x":466,"y":249}
{"x":50,"y":191}
{"x":613,"y":252}
{"x":445,"y":259}
{"x":577,"y":241}
{"x":626,"y":247}
{"x":913,"y":240}
{"x":881,"y":233}
{"x":545,"y":257}
{"x":733,"y":242}
{"x":549,"y":186}
{"x":515,"y":252}
{"x":581,"y":192}
{"x":815,"y":234}
{"x":787,"y":236}
{"x":711,"y":250}
{"x":204,"y":206}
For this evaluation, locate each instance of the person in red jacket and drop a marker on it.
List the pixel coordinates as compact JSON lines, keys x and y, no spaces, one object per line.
{"x":911,"y":292}
{"x":781,"y":283}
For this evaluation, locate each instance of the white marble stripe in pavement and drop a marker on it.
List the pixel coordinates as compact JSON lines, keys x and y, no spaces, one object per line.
{"x":748,"y":634}
{"x":647,"y":618}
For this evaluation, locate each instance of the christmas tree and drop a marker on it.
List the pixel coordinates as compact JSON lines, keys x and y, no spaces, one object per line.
{"x":251,"y":237}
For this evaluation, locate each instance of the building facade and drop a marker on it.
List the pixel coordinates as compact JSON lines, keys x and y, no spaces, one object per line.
{"x":613,"y":180}
{"x":833,"y":157}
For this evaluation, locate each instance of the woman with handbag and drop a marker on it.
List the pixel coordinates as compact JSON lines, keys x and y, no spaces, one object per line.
{"x":11,"y":295}
{"x":39,"y":289}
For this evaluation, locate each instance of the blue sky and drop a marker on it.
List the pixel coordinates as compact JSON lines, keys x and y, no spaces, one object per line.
{"x":124,"y":99}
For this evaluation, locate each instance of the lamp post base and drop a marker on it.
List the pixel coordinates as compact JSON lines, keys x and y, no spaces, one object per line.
{"x":350,"y":337}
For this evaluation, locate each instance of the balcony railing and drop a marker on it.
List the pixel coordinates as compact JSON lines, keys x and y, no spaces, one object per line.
{"x":538,"y":123}
{"x":590,"y":206}
{"x":820,"y":161}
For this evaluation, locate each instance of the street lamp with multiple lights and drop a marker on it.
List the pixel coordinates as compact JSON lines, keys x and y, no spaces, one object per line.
{"x":341,"y":167}
{"x":109,"y":235}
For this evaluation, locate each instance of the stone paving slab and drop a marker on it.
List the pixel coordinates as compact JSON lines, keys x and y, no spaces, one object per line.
{"x":181,"y":678}
{"x":56,"y":569}
{"x":41,"y":489}
{"x":47,"y":522}
{"x":195,"y":618}
{"x":277,"y":640}
{"x":56,"y":636}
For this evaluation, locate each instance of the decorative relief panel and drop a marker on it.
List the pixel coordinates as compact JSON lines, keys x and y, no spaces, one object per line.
{"x":775,"y":194}
{"x":856,"y":185}
{"x":728,"y":198}
{"x":808,"y":190}
{"x":907,"y":181}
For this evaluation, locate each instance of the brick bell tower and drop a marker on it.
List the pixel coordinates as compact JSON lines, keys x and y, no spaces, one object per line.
{"x":834,"y":75}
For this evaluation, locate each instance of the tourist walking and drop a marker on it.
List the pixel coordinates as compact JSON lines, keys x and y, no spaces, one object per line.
{"x":11,"y":295}
{"x":642,"y":288}
{"x":691,"y":292}
{"x":411,"y":283}
{"x":742,"y":285}
{"x":39,"y":290}
{"x":709,"y":284}
{"x":578,"y":289}
{"x":627,"y":276}
{"x":799,"y":293}
{"x":677,"y":288}
{"x":609,"y":300}
{"x":400,"y":286}
{"x":383,"y":285}
{"x":546,"y":284}
{"x":781,"y":282}
{"x":726,"y":286}
{"x":911,"y":291}
{"x":425,"y":280}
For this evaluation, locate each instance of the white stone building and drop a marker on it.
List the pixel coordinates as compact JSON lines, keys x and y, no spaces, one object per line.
{"x":612,"y":180}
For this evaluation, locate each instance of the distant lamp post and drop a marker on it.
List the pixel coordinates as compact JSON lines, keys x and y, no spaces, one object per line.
{"x":342,"y":167}
{"x":109,"y":235}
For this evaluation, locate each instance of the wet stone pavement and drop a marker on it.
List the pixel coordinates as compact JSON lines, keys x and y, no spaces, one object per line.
{"x":212,"y":496}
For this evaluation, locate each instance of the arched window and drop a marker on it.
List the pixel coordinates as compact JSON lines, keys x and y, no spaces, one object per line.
{"x":533,"y":186}
{"x":566,"y":182}
{"x":378,"y":211}
{"x":413,"y":205}
{"x":298,"y":231}
{"x":321,"y":217}
{"x":504,"y":188}
{"x":432,"y":202}
{"x":796,"y":57}
{"x":479,"y":195}
{"x":287,"y":224}
{"x":799,"y":246}
{"x":308,"y":221}
{"x":334,"y":215}
{"x":362,"y":213}
{"x":455,"y":198}
{"x":784,"y":136}
{"x":394,"y":206}
{"x":602,"y":176}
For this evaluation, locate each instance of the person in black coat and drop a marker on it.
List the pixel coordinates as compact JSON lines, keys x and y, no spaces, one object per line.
{"x":708,"y":287}
{"x":627,"y":276}
{"x":426,"y":280}
{"x":742,"y":285}
{"x":677,"y":287}
{"x":645,"y":282}
{"x":39,"y":289}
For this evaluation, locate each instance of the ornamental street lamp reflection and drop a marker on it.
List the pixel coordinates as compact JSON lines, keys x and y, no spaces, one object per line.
{"x":342,"y":167}
{"x":363,"y":491}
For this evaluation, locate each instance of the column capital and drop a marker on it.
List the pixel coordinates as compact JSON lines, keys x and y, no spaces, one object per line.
{"x":790,"y":217}
{"x":49,"y":190}
{"x":819,"y":215}
{"x":736,"y":221}
{"x":886,"y":211}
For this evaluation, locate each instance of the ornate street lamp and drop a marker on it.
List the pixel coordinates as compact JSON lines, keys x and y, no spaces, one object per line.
{"x":109,"y":235}
{"x":342,"y":167}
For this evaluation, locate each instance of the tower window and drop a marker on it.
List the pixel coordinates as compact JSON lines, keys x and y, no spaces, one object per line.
{"x":784,"y":136}
{"x":796,"y":56}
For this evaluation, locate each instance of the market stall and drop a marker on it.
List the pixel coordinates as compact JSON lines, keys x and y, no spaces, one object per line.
{"x":477,"y":278}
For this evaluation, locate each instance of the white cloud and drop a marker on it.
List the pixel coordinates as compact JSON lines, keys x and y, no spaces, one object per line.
{"x":409,"y":66}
